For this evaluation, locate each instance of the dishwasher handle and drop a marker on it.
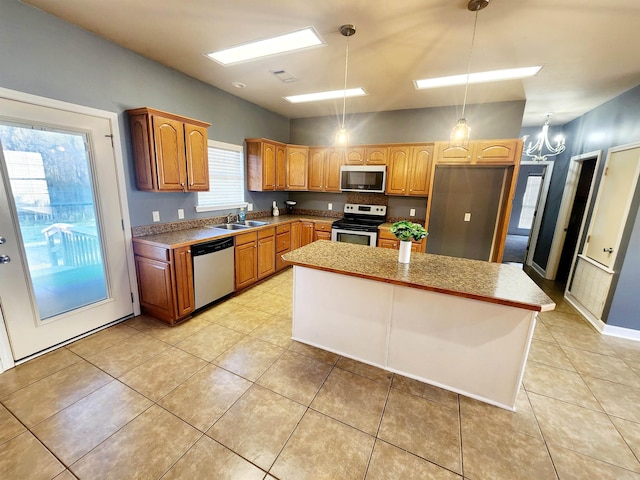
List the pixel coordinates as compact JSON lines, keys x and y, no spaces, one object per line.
{"x":211,"y":247}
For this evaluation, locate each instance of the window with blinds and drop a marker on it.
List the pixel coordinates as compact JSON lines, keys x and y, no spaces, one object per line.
{"x":226,"y":178}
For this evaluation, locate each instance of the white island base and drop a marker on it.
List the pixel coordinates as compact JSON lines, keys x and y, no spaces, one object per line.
{"x":475,"y":348}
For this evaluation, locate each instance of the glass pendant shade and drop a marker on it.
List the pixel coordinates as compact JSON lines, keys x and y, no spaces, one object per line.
{"x":342,"y":137}
{"x":460,"y":134}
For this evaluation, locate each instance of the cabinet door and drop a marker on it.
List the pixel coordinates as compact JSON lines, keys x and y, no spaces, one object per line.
{"x":268,"y":166}
{"x":397,"y":169}
{"x":155,"y":287}
{"x":453,"y":154}
{"x":420,"y":171}
{"x":306,"y":233}
{"x":492,"y":151}
{"x":281,"y":167}
{"x":183,"y":268}
{"x":170,"y":154}
{"x":266,"y":256}
{"x":354,"y":156}
{"x":246,"y":265}
{"x":197,"y":158}
{"x":386,"y":243}
{"x":297,"y":166}
{"x":145,"y":163}
{"x":316,"y":169}
{"x":334,"y":159}
{"x":296,"y":235}
{"x":320,"y":235}
{"x":376,"y":155}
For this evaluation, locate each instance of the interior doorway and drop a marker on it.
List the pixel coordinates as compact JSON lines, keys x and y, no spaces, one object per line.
{"x":528,"y":204}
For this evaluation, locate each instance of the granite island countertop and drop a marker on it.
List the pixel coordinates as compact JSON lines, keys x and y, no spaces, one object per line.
{"x":474,"y":279}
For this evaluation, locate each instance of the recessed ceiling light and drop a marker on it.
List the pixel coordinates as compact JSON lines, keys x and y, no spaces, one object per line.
{"x":479,"y":77}
{"x":288,"y":42}
{"x":239,"y":84}
{"x":314,"y":97}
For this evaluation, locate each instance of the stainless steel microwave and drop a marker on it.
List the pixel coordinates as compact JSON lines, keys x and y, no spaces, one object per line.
{"x":370,"y":179}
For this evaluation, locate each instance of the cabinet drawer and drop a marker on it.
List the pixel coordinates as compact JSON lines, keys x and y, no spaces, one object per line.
{"x":322,"y":227}
{"x":283,"y":228}
{"x":283,"y":242}
{"x":246,"y":238}
{"x":150,"y":251}
{"x":267,"y":232}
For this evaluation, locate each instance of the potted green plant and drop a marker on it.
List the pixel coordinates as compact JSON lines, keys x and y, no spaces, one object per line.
{"x":406,"y":231}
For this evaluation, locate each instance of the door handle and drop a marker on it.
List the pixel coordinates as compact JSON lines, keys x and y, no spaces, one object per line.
{"x":608,"y":250}
{"x":5,"y":259}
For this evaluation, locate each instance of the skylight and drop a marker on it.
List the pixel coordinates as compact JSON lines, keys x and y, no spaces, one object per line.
{"x":288,"y":42}
{"x":479,"y":77}
{"x":314,"y":97}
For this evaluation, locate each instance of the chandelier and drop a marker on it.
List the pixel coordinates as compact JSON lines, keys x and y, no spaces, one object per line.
{"x":535,"y":150}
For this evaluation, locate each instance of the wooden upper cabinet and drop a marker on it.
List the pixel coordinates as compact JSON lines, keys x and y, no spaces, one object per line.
{"x":195,"y":139}
{"x":376,"y":155}
{"x":398,"y":166}
{"x":316,"y":169}
{"x":297,"y":167}
{"x":419,"y":173}
{"x":334,"y":159}
{"x":261,"y":165}
{"x":446,"y":153}
{"x":354,"y":156}
{"x":281,"y":167}
{"x":498,"y":151}
{"x":170,"y":151}
{"x":409,"y":170}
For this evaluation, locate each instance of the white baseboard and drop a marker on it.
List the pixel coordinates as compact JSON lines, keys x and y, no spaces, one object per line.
{"x":599,"y":325}
{"x":538,"y":269}
{"x":621,"y":332}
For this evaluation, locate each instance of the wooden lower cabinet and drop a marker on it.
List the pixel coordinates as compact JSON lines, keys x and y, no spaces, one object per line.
{"x":246,"y":260}
{"x":386,"y":239}
{"x":283,"y":245}
{"x":306,"y":233}
{"x":266,"y":252}
{"x":322,"y":231}
{"x":165,"y":281}
{"x":296,"y":235}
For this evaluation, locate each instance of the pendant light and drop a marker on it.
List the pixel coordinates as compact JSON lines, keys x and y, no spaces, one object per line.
{"x":461,"y":132}
{"x":342,"y":136}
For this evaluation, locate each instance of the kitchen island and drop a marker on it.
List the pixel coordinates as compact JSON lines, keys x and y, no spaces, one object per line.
{"x":463,"y":325}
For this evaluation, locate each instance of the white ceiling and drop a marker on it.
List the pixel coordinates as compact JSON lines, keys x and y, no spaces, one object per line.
{"x":588,"y":48}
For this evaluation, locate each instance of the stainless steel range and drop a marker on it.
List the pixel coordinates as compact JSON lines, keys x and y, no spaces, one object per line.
{"x":360,"y":224}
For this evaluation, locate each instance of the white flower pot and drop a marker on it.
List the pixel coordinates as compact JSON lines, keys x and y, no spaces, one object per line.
{"x":404,"y":256}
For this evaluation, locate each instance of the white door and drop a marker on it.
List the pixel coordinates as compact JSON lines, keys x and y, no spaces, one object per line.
{"x":612,"y":205}
{"x":63,"y":258}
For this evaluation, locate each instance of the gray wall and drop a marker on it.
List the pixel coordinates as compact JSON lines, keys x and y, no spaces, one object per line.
{"x":45,"y":56}
{"x":612,"y":124}
{"x":487,"y":121}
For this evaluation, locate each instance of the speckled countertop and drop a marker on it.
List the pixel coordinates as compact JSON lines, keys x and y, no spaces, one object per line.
{"x":192,"y":236}
{"x":485,"y":281}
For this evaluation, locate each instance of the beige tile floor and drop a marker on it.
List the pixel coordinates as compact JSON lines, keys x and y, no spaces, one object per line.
{"x":228,"y":395}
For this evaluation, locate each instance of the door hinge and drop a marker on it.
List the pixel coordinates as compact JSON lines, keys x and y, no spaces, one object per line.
{"x":132,"y":301}
{"x":111,"y":137}
{"x":122,"y":222}
{"x":588,"y":238}
{"x":606,"y":171}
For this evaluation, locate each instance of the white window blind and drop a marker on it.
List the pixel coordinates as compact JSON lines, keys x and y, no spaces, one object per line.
{"x":226,"y":178}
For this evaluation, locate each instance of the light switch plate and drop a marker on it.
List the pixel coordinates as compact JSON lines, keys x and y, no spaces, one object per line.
{"x":249,"y":207}
{"x":467,"y":217}
{"x":156,"y":215}
{"x":330,"y":206}
{"x":412,"y":212}
{"x":180,"y":213}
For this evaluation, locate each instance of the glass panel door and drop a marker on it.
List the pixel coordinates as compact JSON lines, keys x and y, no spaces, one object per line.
{"x":50,"y":181}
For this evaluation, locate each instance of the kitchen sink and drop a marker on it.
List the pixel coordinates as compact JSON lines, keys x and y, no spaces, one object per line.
{"x":251,"y":223}
{"x":230,"y":226}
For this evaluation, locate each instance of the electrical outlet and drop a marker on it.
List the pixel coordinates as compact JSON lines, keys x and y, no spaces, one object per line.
{"x":412,"y":212}
{"x":180,"y":213}
{"x":330,"y":206}
{"x":156,"y":215}
{"x":249,"y":207}
{"x":467,"y":217}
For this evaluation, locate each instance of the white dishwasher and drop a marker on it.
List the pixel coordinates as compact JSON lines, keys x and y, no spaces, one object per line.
{"x":213,"y":270}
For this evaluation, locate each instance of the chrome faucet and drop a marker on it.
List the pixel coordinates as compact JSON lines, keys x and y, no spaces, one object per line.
{"x":231,"y":216}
